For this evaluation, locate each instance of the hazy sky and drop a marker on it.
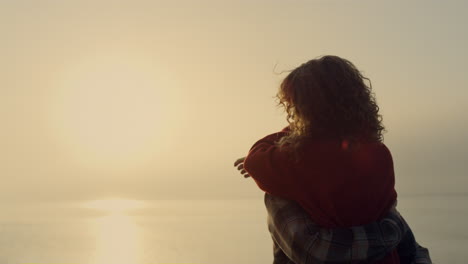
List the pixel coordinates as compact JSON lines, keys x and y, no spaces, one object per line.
{"x":156,"y":99}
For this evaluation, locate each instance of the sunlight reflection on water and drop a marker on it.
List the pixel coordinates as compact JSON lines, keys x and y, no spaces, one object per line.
{"x":117,"y":235}
{"x":189,"y":231}
{"x":117,"y":239}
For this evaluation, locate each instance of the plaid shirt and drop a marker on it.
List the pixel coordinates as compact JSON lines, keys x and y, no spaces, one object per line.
{"x":298,"y":240}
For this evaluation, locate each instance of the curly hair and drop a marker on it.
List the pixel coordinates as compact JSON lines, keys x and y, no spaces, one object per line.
{"x":327,"y":97}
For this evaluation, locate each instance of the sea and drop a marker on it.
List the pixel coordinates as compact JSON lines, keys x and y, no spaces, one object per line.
{"x":190,"y":231}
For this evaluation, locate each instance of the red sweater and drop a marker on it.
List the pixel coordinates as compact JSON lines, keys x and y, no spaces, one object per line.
{"x":336,"y":186}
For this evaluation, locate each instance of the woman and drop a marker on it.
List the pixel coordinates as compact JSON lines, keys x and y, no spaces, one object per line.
{"x":330,"y":159}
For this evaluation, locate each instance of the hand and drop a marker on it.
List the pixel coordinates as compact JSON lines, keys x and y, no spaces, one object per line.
{"x":240,"y":166}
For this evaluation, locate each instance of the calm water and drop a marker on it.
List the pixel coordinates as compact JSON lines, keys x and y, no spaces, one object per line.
{"x":183,"y":231}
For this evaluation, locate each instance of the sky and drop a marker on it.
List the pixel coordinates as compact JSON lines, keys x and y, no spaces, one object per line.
{"x":157,"y":99}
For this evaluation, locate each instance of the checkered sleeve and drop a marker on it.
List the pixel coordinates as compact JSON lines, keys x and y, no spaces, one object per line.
{"x":296,"y":239}
{"x":410,"y":251}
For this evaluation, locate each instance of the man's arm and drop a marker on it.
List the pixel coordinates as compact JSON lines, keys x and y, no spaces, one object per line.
{"x":409,"y":250}
{"x":299,"y":240}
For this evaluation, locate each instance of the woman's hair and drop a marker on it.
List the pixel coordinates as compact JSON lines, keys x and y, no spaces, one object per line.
{"x":327,"y":97}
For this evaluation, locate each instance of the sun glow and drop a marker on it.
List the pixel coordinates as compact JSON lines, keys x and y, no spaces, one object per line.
{"x":112,"y":111}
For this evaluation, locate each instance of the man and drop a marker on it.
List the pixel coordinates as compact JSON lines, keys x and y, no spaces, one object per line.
{"x":297,"y":240}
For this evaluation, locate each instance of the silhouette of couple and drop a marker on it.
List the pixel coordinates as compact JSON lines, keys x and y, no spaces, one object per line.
{"x":328,"y":177}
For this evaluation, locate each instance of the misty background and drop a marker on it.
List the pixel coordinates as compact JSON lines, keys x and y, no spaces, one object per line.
{"x":156,"y":99}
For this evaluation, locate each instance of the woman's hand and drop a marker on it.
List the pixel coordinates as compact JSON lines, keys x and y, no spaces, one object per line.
{"x":240,"y":166}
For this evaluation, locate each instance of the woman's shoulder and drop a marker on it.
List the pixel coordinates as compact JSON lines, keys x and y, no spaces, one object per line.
{"x":331,"y":146}
{"x":379,"y":148}
{"x":377,"y":145}
{"x":376,"y":153}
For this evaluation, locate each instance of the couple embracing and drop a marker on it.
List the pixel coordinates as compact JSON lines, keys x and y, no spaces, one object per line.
{"x":328,"y":177}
